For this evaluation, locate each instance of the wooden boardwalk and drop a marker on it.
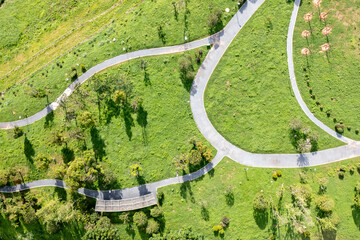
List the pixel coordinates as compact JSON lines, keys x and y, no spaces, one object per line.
{"x":127,"y":204}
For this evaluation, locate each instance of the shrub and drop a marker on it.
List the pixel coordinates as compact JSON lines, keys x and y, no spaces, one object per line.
{"x":82,"y":67}
{"x":278,"y":173}
{"x":339,"y":128}
{"x":86,"y":120}
{"x":73,"y":75}
{"x":274,"y":176}
{"x":330,"y":223}
{"x":328,"y":113}
{"x":140,"y":219}
{"x":214,"y":18}
{"x":260,"y":202}
{"x":73,"y":68}
{"x":18,"y":132}
{"x":225,"y":221}
{"x":156,"y":212}
{"x":307,"y":234}
{"x":185,"y":64}
{"x":125,"y":217}
{"x":351,"y":170}
{"x":357,"y":131}
{"x":358,"y":167}
{"x":152,"y":227}
{"x":349,"y":128}
{"x":342,"y":168}
{"x":324,"y":203}
{"x":341,"y":175}
{"x":295,"y":124}
{"x":301,"y":193}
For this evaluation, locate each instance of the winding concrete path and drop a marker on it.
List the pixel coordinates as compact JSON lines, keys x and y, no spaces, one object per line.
{"x":220,"y":42}
{"x":293,"y":79}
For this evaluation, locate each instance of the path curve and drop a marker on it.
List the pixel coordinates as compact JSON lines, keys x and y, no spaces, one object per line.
{"x":235,"y":153}
{"x":224,"y":148}
{"x":294,"y":85}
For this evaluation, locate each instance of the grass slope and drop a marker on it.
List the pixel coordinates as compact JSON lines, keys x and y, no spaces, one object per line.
{"x":146,"y":25}
{"x":249,"y":98}
{"x":152,"y":138}
{"x":334,"y":79}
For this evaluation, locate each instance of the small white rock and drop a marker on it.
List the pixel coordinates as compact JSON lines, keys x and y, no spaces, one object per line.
{"x":227,"y":10}
{"x":19,"y":116}
{"x":124,"y":48}
{"x":114,"y":39}
{"x":186,"y":38}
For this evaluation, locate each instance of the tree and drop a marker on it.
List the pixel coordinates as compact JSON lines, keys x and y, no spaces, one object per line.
{"x":296,"y":124}
{"x":156,"y":212}
{"x":152,"y":227}
{"x":42,"y":162}
{"x":195,"y":157}
{"x":214,"y":18}
{"x":86,"y":119}
{"x":260,"y":202}
{"x":185,"y":64}
{"x":83,"y":170}
{"x":140,"y":219}
{"x":324,"y":203}
{"x":135,"y":169}
{"x":125,"y":217}
{"x":181,"y":162}
{"x":120,"y":97}
{"x":103,"y":230}
{"x":18,"y":132}
{"x":4,"y":175}
{"x":303,"y":145}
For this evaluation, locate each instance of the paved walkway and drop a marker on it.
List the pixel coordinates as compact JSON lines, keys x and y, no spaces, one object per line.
{"x":220,"y":43}
{"x":293,"y":79}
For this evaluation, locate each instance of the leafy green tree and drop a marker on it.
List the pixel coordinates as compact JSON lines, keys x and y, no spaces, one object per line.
{"x":18,"y":132}
{"x":181,"y":162}
{"x":42,"y":162}
{"x":214,"y":19}
{"x":135,"y":169}
{"x":324,"y":203}
{"x":152,"y":227}
{"x":260,"y":202}
{"x":185,"y":64}
{"x":296,"y":124}
{"x":140,"y":219}
{"x":86,"y":119}
{"x":4,"y":174}
{"x":103,"y":230}
{"x":195,"y":157}
{"x":83,"y":170}
{"x":120,"y":97}
{"x":156,"y":212}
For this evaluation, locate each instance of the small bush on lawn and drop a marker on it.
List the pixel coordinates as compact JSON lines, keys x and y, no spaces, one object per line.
{"x":278,"y":173}
{"x":18,"y":132}
{"x":341,"y":175}
{"x":324,"y":203}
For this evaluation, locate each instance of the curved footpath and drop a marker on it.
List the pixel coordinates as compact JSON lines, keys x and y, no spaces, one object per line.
{"x":293,"y":79}
{"x":220,"y":42}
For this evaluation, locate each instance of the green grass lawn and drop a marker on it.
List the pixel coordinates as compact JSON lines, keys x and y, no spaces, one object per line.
{"x":133,"y":27}
{"x":249,"y":97}
{"x":183,"y":202}
{"x":153,"y":136}
{"x":334,"y":80}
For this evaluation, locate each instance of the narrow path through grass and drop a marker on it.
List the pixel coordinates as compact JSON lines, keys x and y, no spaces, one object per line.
{"x":249,"y":98}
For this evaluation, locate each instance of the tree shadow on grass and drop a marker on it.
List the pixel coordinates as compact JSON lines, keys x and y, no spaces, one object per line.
{"x":185,"y":189}
{"x":68,"y":154}
{"x":49,"y":120}
{"x":98,"y":144}
{"x":142,"y":121}
{"x":147,"y":81}
{"x":128,"y":119}
{"x":329,"y":235}
{"x":112,"y":110}
{"x":61,"y":193}
{"x":261,"y":218}
{"x":230,"y":198}
{"x":356,"y":216}
{"x":205,"y":213}
{"x":28,"y":150}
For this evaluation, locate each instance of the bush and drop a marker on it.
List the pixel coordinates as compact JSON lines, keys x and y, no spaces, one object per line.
{"x":351,"y":170}
{"x":341,"y":175}
{"x":274,"y":176}
{"x":185,"y":64}
{"x":301,"y":193}
{"x":18,"y":132}
{"x":339,"y":128}
{"x":218,"y":228}
{"x":152,"y":227}
{"x":156,"y":212}
{"x":140,"y":219}
{"x":73,"y":75}
{"x":214,"y":19}
{"x":278,"y":173}
{"x":260,"y":202}
{"x":324,"y":203}
{"x":296,"y":124}
{"x":82,"y":67}
{"x":357,"y":131}
{"x":160,"y":197}
{"x":226,"y":221}
{"x":307,"y":234}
